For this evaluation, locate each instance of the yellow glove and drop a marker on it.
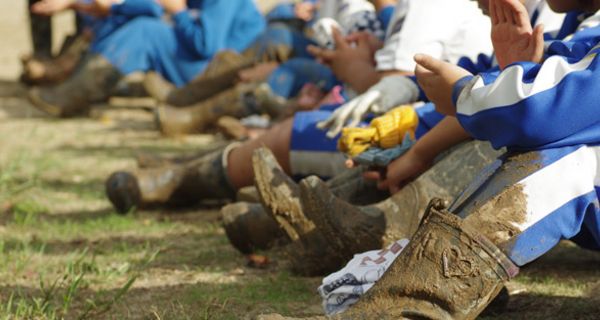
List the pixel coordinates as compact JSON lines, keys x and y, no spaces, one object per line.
{"x":384,"y":132}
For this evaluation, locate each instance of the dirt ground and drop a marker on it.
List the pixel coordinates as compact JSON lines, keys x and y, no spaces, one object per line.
{"x":64,"y":253}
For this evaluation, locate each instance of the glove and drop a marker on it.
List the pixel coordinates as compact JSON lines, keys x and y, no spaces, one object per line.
{"x":388,"y":93}
{"x":384,"y":132}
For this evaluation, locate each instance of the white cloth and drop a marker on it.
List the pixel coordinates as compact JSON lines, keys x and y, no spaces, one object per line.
{"x":445,"y":29}
{"x":342,"y":289}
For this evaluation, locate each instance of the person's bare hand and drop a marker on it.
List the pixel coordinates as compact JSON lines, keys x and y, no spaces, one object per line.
{"x":173,"y":6}
{"x":50,"y":7}
{"x":344,"y":56}
{"x":365,"y":37}
{"x":305,"y":10}
{"x":513,"y":38}
{"x":437,"y":78}
{"x":400,"y":171}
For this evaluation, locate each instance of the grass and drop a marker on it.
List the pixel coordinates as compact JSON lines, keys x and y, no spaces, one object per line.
{"x":65,"y":254}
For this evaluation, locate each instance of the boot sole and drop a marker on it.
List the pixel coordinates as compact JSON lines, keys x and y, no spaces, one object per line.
{"x":35,"y":99}
{"x":272,"y":201}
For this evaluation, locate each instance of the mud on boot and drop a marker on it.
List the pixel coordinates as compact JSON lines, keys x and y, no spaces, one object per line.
{"x":91,"y":83}
{"x":39,"y":71}
{"x":220,"y":74}
{"x":198,"y":117}
{"x":448,"y":271}
{"x":177,"y":185}
{"x":311,"y":253}
{"x":249,"y":227}
{"x":128,"y":191}
{"x":279,"y":194}
{"x":355,"y":229}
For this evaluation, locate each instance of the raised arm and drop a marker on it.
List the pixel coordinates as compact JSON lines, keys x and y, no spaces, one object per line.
{"x":530,"y":105}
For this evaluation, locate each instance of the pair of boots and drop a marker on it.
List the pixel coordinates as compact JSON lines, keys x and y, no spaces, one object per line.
{"x":215,"y":93}
{"x":249,"y":226}
{"x":94,"y":79}
{"x":327,"y":225}
{"x":242,"y":100}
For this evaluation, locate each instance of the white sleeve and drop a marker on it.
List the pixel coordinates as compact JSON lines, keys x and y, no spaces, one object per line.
{"x":435,"y":27}
{"x":341,"y":10}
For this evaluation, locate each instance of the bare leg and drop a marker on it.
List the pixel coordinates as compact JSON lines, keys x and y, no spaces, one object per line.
{"x":239,"y":169}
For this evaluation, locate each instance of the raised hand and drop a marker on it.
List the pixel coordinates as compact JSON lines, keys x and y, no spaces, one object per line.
{"x":513,"y":38}
{"x":437,"y":78}
{"x":344,"y":58}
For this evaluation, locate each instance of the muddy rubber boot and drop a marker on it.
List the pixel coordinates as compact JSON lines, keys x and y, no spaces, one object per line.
{"x":37,"y":71}
{"x":219,"y":75}
{"x":174,"y":121}
{"x":281,"y":195}
{"x":354,"y":229}
{"x":249,"y":227}
{"x":243,"y":100}
{"x":447,"y":271}
{"x":91,"y":83}
{"x":345,"y":186}
{"x":175,"y":185}
{"x":311,"y":253}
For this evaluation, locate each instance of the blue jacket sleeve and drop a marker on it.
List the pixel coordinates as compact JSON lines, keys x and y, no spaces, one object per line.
{"x":532,"y":106}
{"x":229,"y":24}
{"x":385,"y":16}
{"x":484,"y":63}
{"x":134,"y":8}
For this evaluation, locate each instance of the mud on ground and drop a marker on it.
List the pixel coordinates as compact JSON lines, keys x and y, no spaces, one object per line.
{"x":65,"y":253}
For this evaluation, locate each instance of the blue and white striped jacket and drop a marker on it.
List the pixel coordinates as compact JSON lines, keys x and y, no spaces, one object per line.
{"x":529,"y":106}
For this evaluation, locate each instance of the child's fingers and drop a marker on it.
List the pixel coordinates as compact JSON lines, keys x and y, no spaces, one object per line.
{"x":372,"y":175}
{"x":504,"y":13}
{"x":350,"y":163}
{"x":538,"y":38}
{"x":338,"y":39}
{"x":320,"y":53}
{"x":497,"y":12}
{"x":421,"y":72}
{"x":429,"y":63}
{"x":518,"y":12}
{"x":493,"y":11}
